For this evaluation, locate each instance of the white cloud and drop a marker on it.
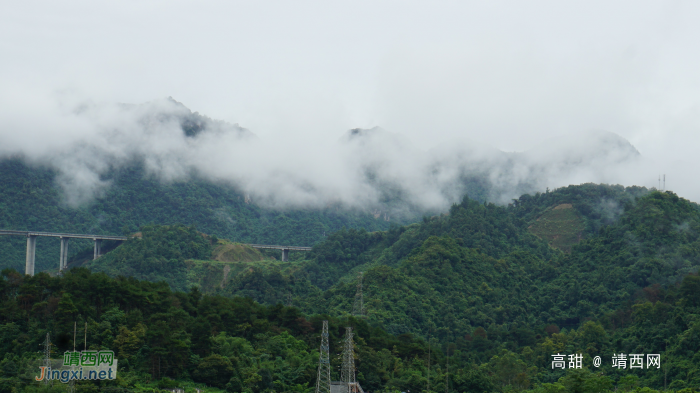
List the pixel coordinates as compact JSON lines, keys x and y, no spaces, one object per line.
{"x":506,"y":74}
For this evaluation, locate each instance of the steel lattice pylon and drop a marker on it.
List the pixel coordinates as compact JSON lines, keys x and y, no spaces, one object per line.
{"x":358,"y":308}
{"x":323,"y":380}
{"x":347,"y":372}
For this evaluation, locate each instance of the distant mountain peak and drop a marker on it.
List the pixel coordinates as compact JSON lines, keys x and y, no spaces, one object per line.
{"x":584,"y":147}
{"x":358,"y":133}
{"x":191,"y":123}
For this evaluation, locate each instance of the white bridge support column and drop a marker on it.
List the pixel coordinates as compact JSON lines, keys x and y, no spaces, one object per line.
{"x":31,"y":255}
{"x":285,"y":254}
{"x":98,"y":249}
{"x":63,"y":264}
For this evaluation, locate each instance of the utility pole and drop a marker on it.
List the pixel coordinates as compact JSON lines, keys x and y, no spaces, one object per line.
{"x":358,"y":308}
{"x":323,"y":380}
{"x":347,"y":372}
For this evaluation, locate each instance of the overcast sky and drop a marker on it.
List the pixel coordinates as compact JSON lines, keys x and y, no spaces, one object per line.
{"x":509,"y":74}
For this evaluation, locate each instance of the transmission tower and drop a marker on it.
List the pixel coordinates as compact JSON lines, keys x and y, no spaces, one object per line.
{"x":347,"y":372}
{"x":358,"y":308}
{"x":323,"y":380}
{"x":289,"y":299}
{"x":47,"y":356}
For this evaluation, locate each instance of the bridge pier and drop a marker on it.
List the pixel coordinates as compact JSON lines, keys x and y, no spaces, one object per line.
{"x":285,"y":249}
{"x":63,"y":263}
{"x":98,"y":249}
{"x":31,"y":255}
{"x":63,"y":260}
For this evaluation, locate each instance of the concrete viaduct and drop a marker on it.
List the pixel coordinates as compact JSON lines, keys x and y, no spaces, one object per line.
{"x":285,"y":249}
{"x":97,"y":239}
{"x":63,"y":259}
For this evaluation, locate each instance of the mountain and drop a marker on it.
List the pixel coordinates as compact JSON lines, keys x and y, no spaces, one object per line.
{"x":479,"y":279}
{"x":450,"y":170}
{"x":501,"y":241}
{"x":199,"y":342}
{"x":30,"y":199}
{"x":161,"y":163}
{"x":509,"y":265}
{"x":483,"y":284}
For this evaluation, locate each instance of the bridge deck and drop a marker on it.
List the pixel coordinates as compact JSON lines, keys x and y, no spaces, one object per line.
{"x":68,"y":235}
{"x":275,"y":247}
{"x":63,"y":260}
{"x":110,"y":237}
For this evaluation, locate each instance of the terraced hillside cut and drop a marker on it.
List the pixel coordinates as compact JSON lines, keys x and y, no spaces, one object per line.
{"x":561,"y":226}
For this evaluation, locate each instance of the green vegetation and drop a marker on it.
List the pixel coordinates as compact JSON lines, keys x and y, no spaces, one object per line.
{"x":31,"y":200}
{"x":158,"y":254}
{"x":184,"y":257}
{"x":597,"y":204}
{"x":481,"y":283}
{"x":233,"y":252}
{"x":186,"y":339}
{"x":561,"y":226}
{"x":477,"y":279}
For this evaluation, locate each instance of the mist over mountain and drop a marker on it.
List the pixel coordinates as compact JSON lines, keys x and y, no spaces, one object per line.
{"x":442,"y":175}
{"x":372,"y":169}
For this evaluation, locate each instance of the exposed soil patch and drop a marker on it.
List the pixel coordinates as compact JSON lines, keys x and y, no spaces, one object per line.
{"x":560,"y":225}
{"x":227,"y":270}
{"x":235,"y":252}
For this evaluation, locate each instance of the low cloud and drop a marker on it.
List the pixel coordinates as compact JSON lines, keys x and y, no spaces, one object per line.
{"x":365,"y":168}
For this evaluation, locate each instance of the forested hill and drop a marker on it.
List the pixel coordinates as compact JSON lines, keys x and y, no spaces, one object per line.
{"x":31,"y":200}
{"x":167,"y":340}
{"x":479,"y":271}
{"x":485,"y":258}
{"x":477,"y":282}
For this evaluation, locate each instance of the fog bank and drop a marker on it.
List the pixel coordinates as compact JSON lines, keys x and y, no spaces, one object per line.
{"x":363,"y":168}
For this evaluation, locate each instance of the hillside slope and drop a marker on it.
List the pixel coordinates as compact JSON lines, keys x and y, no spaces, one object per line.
{"x":31,"y":200}
{"x":478,"y":282}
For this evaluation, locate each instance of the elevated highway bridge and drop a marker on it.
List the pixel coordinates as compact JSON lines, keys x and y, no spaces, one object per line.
{"x":97,"y":239}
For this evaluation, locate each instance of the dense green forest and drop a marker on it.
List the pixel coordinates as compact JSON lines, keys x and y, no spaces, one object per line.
{"x":479,"y":281}
{"x":31,"y":200}
{"x":166,"y":339}
{"x":485,"y":288}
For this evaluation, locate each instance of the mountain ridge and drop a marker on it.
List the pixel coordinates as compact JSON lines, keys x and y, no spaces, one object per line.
{"x":478,"y":282}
